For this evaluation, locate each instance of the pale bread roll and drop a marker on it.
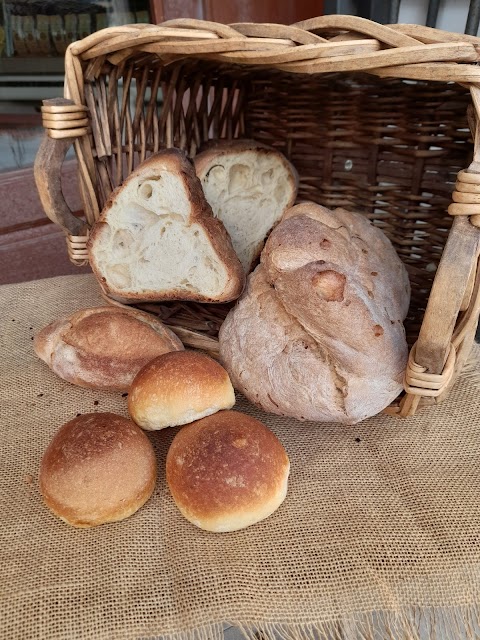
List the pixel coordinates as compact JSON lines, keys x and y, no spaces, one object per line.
{"x":98,"y":468}
{"x":249,"y":185}
{"x":177,"y":388}
{"x":103,"y":347}
{"x":227,"y":472}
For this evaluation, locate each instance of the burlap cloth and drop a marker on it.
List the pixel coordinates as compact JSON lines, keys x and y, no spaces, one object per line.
{"x":379,"y":533}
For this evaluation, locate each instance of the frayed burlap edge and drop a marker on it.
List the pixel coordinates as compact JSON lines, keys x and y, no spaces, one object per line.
{"x":414,"y":623}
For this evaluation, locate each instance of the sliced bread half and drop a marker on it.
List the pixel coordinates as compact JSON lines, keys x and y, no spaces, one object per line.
{"x":249,"y":186}
{"x":157,"y":238}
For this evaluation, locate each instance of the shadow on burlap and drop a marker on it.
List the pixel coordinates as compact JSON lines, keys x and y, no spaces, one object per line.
{"x":380,"y":531}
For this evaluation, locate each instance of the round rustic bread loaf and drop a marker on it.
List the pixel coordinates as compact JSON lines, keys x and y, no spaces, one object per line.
{"x":103,"y":347}
{"x":177,"y":388}
{"x":227,"y":471}
{"x":318,"y":334}
{"x":98,"y":468}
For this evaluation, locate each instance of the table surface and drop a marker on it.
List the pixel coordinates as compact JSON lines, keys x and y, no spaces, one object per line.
{"x":380,"y":527}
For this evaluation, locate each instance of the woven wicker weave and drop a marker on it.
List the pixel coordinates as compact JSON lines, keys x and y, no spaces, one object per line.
{"x":377,"y":119}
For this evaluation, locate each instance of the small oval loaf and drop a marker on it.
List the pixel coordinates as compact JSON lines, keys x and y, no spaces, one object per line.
{"x":103,"y":347}
{"x":318,"y":334}
{"x":227,"y":471}
{"x":98,"y":468}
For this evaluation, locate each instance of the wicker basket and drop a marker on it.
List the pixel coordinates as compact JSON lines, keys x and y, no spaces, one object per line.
{"x":376,"y":119}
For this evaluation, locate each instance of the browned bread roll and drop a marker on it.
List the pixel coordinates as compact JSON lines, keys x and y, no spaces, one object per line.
{"x":318,"y":333}
{"x":227,"y":472}
{"x":177,"y":388}
{"x":98,"y":468}
{"x":157,"y":238}
{"x":249,"y":185}
{"x":103,"y":347}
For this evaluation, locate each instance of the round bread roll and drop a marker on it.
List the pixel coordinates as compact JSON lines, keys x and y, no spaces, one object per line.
{"x":227,"y":472}
{"x":177,"y":388}
{"x":103,"y":347}
{"x":98,"y":468}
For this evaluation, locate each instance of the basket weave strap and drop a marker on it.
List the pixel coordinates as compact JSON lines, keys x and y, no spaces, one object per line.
{"x":64,"y":120}
{"x":466,"y":197}
{"x":418,"y":382}
{"x":65,"y":123}
{"x":77,"y":249}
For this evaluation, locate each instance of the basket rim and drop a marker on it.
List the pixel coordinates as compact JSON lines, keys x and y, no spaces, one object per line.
{"x":404,"y":51}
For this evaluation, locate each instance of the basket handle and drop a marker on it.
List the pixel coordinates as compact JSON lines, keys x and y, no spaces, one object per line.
{"x":447,"y":297}
{"x":64,"y":122}
{"x":47,"y":170}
